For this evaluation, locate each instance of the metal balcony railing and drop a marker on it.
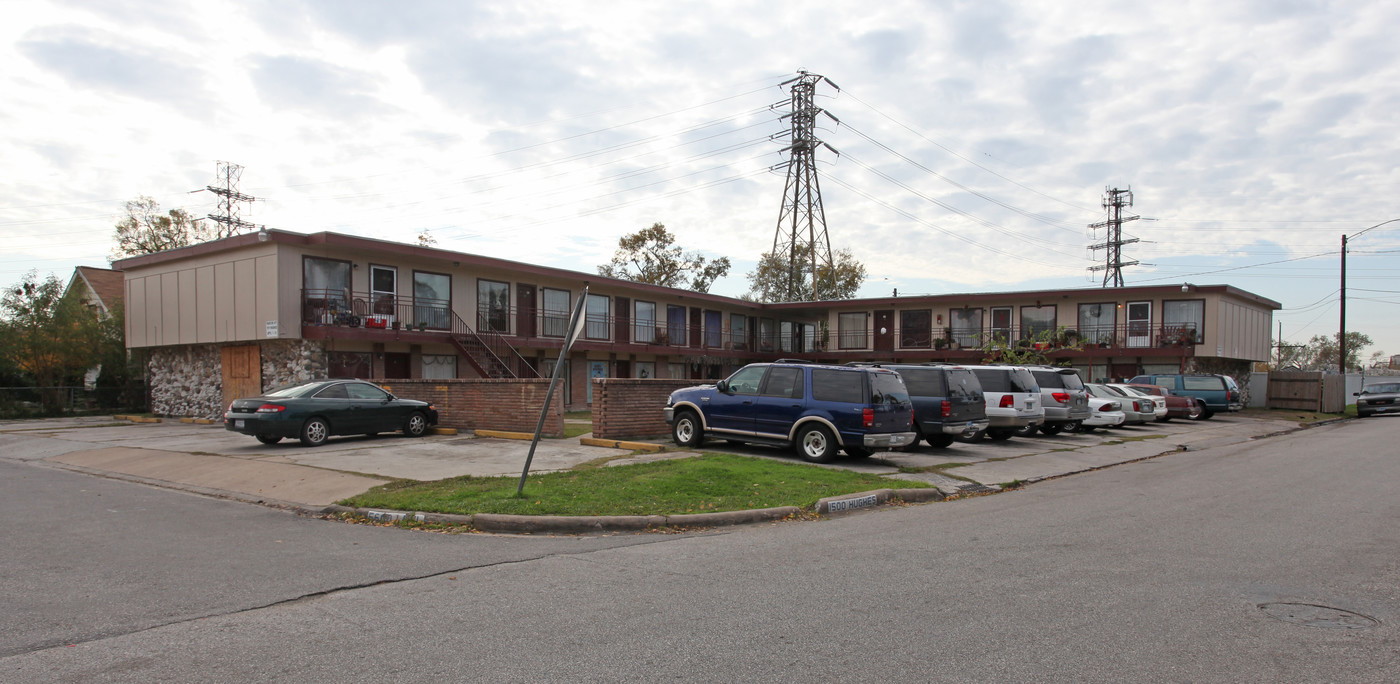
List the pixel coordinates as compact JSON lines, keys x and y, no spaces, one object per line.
{"x":499,"y":328}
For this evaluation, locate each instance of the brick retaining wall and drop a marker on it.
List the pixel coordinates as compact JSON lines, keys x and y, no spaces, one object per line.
{"x":626,"y":407}
{"x":485,"y":403}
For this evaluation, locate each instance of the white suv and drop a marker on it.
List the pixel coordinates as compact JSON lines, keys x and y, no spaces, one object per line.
{"x":1013,"y":399}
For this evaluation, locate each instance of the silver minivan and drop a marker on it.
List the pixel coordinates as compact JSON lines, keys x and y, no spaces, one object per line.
{"x":1063,"y":395}
{"x":1012,"y":397}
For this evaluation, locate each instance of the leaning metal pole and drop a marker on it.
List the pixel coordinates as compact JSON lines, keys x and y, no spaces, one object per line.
{"x":575,"y":321}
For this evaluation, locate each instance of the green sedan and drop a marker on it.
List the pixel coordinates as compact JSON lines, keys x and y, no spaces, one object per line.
{"x":313,"y":411}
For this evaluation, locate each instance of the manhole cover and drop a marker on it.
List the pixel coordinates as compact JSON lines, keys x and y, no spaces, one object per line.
{"x":1323,"y":617}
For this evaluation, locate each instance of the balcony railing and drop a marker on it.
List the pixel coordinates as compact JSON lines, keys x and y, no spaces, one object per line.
{"x":343,"y":308}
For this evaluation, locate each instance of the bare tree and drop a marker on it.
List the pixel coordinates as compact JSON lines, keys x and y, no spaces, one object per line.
{"x":145,"y":230}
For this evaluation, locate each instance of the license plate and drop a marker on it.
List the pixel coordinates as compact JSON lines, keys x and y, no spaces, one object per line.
{"x":238,"y":424}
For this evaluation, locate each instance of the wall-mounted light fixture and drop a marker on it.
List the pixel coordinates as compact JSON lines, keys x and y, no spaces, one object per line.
{"x":262,"y":235}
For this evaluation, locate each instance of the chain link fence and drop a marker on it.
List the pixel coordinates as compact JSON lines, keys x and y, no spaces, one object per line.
{"x":34,"y":402}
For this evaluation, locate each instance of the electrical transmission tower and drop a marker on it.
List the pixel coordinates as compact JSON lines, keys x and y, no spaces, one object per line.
{"x":1114,"y":200}
{"x":801,"y":235}
{"x":229,"y":222}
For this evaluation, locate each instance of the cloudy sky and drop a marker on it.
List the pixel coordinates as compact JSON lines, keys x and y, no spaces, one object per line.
{"x":976,"y":139}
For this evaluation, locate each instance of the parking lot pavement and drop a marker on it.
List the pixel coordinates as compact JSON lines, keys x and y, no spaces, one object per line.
{"x":1029,"y":459}
{"x":208,"y":458}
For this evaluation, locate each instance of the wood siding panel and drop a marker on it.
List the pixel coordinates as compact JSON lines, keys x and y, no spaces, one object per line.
{"x":153,"y":310}
{"x":189,"y":307}
{"x":245,"y":303}
{"x":223,"y":303}
{"x":205,"y":329}
{"x":264,"y":289}
{"x":136,"y":331}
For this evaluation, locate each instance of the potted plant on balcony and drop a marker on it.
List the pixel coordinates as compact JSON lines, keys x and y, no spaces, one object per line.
{"x":422,"y":325}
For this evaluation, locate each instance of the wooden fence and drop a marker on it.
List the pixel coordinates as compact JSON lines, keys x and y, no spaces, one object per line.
{"x":1307,"y":391}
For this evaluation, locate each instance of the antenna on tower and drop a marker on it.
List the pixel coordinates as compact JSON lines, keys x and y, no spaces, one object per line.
{"x":801,"y":234}
{"x":1114,"y":200}
{"x":229,"y":222}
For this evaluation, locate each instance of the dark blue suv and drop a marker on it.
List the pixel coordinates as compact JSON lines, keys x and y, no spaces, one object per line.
{"x":819,"y":409}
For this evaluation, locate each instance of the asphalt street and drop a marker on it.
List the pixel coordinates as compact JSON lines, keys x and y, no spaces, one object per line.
{"x":1167,"y":569}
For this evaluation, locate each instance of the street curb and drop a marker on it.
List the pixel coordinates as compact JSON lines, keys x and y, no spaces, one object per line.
{"x":622,"y":444}
{"x":562,"y":524}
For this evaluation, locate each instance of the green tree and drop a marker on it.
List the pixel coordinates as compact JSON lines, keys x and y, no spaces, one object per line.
{"x":1321,"y":352}
{"x":651,"y":256}
{"x":51,"y":338}
{"x":769,"y":281}
{"x":145,"y":230}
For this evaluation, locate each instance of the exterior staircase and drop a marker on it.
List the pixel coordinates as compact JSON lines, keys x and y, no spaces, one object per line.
{"x":489,"y":352}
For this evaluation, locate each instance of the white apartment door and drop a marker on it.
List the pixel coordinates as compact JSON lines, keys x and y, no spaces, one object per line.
{"x":383,"y":293}
{"x":1139,"y":324}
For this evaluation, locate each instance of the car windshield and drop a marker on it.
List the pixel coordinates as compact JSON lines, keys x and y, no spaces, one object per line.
{"x":1381,"y":389}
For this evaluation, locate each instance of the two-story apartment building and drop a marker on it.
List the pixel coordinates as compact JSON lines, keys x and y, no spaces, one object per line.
{"x":235,"y":316}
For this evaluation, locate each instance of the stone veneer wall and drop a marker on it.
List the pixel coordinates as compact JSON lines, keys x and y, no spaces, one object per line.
{"x":285,"y":362}
{"x":186,"y":381}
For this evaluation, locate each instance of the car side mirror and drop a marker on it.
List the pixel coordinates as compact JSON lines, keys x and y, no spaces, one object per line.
{"x":1355,"y":394}
{"x":723,"y":386}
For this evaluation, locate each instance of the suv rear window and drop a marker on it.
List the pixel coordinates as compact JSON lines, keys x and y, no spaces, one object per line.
{"x":924,"y":383}
{"x":1005,"y":379}
{"x":1057,"y":379}
{"x":1208,"y":382}
{"x":838,"y":385}
{"x":890,"y":387}
{"x":962,"y":384}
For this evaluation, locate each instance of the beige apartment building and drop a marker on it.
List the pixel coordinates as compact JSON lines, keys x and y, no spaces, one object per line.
{"x":240,"y":315}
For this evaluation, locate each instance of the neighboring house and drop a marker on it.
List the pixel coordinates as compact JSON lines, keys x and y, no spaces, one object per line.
{"x":235,"y":316}
{"x":101,"y":290}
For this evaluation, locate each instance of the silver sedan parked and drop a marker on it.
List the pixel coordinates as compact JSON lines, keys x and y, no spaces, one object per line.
{"x":1137,"y":410}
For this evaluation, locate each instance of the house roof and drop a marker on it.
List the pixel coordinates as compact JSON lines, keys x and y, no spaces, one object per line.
{"x":329,"y":239}
{"x":104,"y":285}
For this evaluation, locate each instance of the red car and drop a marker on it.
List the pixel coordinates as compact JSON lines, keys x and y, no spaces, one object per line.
{"x":1177,"y":405}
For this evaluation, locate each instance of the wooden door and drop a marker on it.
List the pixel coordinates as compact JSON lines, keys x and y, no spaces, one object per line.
{"x":884,"y":330}
{"x":396,"y":365}
{"x":241,"y":368}
{"x":622,"y":321}
{"x":524,"y":310}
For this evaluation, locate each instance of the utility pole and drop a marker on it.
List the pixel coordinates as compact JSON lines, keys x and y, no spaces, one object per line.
{"x":229,"y":222}
{"x":801,"y":234}
{"x":1342,"y":334}
{"x":1114,"y":201}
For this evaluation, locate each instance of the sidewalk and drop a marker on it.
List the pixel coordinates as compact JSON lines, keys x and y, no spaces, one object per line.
{"x":206,"y":459}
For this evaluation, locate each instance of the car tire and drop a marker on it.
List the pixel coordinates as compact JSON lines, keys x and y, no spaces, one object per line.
{"x":1206,"y":414}
{"x":315,"y":432}
{"x":1025,"y":431}
{"x":1164,"y":419}
{"x":1201,"y":412}
{"x":415,"y":425}
{"x":1001,"y":434}
{"x":1360,"y":414}
{"x":815,"y":444}
{"x":1194,"y":413}
{"x":687,"y":431}
{"x":268,"y":439}
{"x":1051,"y":429}
{"x":1086,"y":429}
{"x":939,"y":441}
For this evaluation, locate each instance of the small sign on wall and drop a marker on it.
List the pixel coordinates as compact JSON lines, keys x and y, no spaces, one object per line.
{"x":272,"y":329}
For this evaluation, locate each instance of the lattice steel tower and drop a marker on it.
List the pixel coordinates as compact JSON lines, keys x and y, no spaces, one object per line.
{"x":801,"y":233}
{"x":229,"y":222}
{"x":1114,"y":200}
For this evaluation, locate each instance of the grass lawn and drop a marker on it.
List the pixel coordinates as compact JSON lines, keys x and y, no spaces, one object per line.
{"x":703,"y":484}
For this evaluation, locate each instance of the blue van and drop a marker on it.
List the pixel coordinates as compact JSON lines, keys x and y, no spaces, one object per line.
{"x":1214,"y":393}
